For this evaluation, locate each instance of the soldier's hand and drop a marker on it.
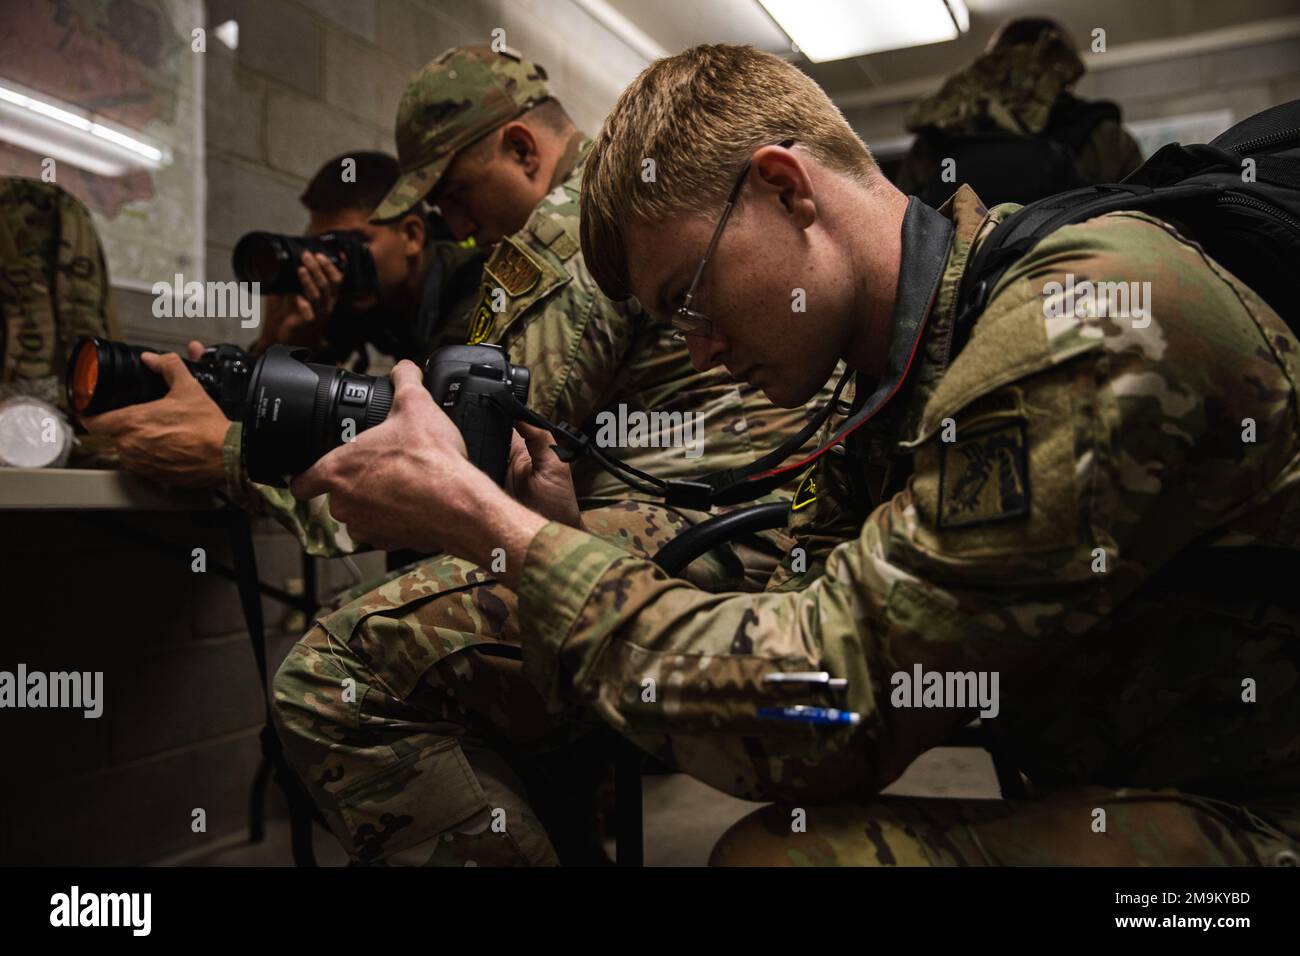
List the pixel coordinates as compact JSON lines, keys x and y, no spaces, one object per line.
{"x":177,"y":439}
{"x":300,"y":319}
{"x":537,"y":478}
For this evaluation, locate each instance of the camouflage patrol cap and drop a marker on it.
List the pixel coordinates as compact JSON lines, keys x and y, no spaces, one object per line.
{"x":453,"y":101}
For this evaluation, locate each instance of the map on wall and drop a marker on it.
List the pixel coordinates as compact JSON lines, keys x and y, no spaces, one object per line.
{"x":81,"y":78}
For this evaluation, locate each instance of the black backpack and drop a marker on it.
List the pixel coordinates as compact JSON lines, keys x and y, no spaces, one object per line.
{"x":1252,"y":229}
{"x":1003,"y":167}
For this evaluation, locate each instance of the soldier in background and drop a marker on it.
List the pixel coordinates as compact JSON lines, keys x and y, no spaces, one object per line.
{"x":425,"y":288}
{"x":422,"y":300}
{"x":1012,"y":127}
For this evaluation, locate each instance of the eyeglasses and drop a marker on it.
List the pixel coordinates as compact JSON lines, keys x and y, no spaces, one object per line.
{"x":686,"y":321}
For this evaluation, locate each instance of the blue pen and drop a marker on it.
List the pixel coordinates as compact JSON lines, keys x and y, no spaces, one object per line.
{"x":811,"y":715}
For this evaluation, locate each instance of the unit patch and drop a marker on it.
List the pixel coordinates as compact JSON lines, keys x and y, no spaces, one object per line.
{"x":513,"y":268}
{"x":984,"y":477}
{"x":509,"y":272}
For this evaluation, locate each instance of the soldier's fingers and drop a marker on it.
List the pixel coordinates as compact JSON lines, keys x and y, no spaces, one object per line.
{"x":408,"y":385}
{"x":169,"y":366}
{"x":310,"y":288}
{"x":330,"y":270}
{"x":537,"y":440}
{"x":108,"y":423}
{"x":312,"y":482}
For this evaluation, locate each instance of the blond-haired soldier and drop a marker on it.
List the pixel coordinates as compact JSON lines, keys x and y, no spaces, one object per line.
{"x":1058,"y":528}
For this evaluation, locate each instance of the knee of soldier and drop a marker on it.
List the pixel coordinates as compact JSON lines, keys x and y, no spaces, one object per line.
{"x":832,"y":835}
{"x":759,"y":838}
{"x":312,"y":693}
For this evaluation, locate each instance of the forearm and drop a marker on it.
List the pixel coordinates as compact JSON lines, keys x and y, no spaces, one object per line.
{"x":496,"y":525}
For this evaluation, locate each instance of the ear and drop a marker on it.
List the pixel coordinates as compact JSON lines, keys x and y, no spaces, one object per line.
{"x":413,"y":232}
{"x":783,"y":174}
{"x":520,"y":146}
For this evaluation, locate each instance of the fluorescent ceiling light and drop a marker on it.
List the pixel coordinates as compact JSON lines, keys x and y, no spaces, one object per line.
{"x":836,"y":29}
{"x":49,"y":128}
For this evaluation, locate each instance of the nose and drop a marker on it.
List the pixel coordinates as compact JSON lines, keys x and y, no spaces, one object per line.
{"x":705,"y":351}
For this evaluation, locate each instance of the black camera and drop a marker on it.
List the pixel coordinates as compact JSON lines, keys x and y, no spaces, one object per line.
{"x":297,"y":411}
{"x":273,"y":260}
{"x":104,"y":375}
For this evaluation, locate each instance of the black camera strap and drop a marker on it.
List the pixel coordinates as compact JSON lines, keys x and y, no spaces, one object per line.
{"x":926,"y":238}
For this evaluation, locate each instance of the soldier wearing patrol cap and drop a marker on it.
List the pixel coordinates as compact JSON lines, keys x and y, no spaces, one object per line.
{"x":480,"y":136}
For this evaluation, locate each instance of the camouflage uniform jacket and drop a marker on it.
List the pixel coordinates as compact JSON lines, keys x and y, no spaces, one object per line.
{"x":585,"y":354}
{"x":1092,"y":533}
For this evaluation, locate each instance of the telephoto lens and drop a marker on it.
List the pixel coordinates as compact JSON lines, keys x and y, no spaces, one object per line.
{"x":298,"y":411}
{"x":104,"y":375}
{"x":273,"y":260}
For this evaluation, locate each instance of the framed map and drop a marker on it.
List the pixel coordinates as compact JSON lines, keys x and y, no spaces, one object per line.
{"x":127,"y":69}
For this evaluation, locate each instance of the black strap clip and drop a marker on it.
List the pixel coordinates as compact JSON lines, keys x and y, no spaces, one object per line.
{"x":576,"y":442}
{"x":691,"y":495}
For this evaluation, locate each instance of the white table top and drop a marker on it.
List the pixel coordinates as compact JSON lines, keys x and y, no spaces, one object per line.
{"x":85,"y":489}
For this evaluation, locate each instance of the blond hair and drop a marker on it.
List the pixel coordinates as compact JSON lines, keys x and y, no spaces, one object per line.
{"x":699,"y":116}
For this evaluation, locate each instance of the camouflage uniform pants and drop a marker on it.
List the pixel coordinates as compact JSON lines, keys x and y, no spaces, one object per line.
{"x":1141,"y":828}
{"x":423,"y":747}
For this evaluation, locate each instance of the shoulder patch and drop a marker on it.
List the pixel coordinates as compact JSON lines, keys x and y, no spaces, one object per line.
{"x":480,"y":324}
{"x":513,"y":267}
{"x":984,"y":477}
{"x":806,"y":493}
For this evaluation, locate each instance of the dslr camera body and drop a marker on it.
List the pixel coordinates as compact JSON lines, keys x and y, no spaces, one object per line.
{"x":295,"y":411}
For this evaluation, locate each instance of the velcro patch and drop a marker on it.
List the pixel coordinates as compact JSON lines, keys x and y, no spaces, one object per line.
{"x":513,"y":268}
{"x":480,"y":324}
{"x":984,"y":477}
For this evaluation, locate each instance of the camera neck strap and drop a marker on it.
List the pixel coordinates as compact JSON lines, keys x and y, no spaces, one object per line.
{"x":926,"y":240}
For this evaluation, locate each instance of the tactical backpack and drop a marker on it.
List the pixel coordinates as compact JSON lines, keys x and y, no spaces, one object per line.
{"x":1004,"y":167}
{"x":1238,"y":197}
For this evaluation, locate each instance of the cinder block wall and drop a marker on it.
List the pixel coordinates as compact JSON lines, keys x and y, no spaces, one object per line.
{"x":309,"y":80}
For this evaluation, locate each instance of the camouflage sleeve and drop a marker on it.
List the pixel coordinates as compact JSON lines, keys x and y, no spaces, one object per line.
{"x":1088,"y":452}
{"x":308,"y":521}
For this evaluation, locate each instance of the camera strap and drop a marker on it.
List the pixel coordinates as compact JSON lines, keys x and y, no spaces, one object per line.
{"x":926,"y":238}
